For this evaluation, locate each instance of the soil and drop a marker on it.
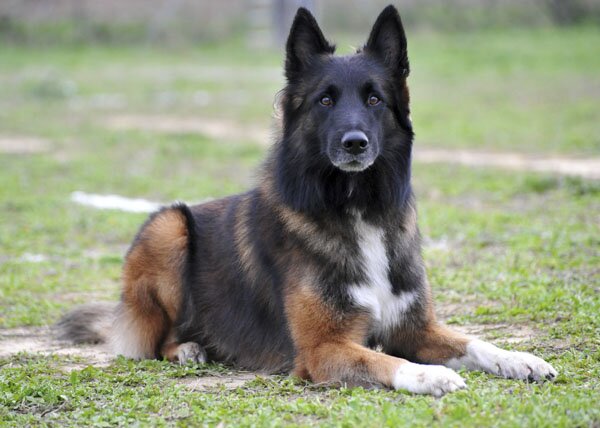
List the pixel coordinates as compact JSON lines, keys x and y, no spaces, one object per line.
{"x":586,"y":168}
{"x":23,"y":145}
{"x":213,"y":128}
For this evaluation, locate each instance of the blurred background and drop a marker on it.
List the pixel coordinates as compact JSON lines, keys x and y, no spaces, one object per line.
{"x":173,"y":100}
{"x":263,"y":21}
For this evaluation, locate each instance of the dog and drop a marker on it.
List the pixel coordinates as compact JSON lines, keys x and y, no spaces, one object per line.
{"x":318,"y":270}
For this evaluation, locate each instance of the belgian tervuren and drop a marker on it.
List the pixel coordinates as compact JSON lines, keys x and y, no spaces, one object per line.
{"x":320,"y":264}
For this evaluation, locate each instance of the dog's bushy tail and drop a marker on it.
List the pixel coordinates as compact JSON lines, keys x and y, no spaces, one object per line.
{"x":89,"y":323}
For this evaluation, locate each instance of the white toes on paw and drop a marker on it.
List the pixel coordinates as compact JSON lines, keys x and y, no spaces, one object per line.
{"x":521,"y":365}
{"x":190,"y":352}
{"x":427,"y":379}
{"x":513,"y":365}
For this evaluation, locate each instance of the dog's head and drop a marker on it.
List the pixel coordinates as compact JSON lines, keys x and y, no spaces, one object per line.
{"x":347,"y":135}
{"x":349,"y":110}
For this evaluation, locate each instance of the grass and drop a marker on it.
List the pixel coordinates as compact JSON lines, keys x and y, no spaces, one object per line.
{"x":507,"y":252}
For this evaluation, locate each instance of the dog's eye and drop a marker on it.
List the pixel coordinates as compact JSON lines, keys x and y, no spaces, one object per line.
{"x":326,"y":101}
{"x":373,"y":100}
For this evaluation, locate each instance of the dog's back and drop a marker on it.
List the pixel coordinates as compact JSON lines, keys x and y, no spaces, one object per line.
{"x":220,"y":275}
{"x":322,"y":261}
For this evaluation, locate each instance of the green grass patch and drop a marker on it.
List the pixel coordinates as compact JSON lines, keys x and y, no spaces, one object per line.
{"x":35,"y":391}
{"x":512,"y":251}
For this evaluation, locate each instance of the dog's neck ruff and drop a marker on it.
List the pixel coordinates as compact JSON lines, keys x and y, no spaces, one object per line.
{"x":375,"y":293}
{"x":313,"y":186}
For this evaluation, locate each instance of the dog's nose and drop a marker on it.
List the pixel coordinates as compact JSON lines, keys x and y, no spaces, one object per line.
{"x":355,"y":142}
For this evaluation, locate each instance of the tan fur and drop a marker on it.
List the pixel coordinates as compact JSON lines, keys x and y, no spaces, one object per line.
{"x":432,"y":344}
{"x":169,"y":348}
{"x":152,"y":281}
{"x":242,"y":240}
{"x":409,"y":224}
{"x":329,"y":345}
{"x":439,"y":344}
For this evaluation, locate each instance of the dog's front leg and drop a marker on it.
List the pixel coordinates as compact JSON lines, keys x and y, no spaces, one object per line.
{"x":328,"y":346}
{"x":437,"y":344}
{"x":480,"y":355}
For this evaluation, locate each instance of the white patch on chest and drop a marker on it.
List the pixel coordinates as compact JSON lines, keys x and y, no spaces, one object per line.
{"x":375,"y":294}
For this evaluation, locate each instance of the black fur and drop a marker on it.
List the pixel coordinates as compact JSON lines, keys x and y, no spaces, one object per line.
{"x":244,"y":254}
{"x":88,"y":323}
{"x":305,"y":177}
{"x":240,"y":317}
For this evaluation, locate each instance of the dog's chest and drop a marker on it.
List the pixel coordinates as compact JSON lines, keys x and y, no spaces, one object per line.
{"x":375,"y":294}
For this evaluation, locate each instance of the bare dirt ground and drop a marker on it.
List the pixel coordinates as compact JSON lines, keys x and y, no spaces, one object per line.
{"x":40,"y":341}
{"x":23,"y":144}
{"x":586,"y":168}
{"x":213,"y":128}
{"x":229,"y":130}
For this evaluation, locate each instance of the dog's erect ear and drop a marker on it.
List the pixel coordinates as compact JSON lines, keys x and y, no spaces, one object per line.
{"x":387,"y":41}
{"x":304,"y":44}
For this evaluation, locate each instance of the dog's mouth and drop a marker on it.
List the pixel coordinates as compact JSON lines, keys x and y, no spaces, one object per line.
{"x":353,"y":166}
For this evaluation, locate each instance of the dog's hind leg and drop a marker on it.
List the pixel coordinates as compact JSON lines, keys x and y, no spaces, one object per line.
{"x":152,"y":289}
{"x":183,"y":352}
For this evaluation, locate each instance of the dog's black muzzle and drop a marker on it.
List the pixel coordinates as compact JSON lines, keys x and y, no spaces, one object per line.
{"x":355,"y":142}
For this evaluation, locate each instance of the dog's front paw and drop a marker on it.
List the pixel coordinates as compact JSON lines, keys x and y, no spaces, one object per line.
{"x":513,"y":365}
{"x":427,"y":379}
{"x":190,"y":352}
{"x":521,"y":365}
